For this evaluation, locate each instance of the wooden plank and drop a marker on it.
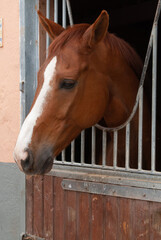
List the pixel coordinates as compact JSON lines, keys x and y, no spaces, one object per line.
{"x":97,"y":217}
{"x":141,"y":220}
{"x":42,"y":35}
{"x":125,"y":220}
{"x":52,"y":10}
{"x":155,"y":224}
{"x":70,"y":226}
{"x":58,"y":203}
{"x":48,"y":207}
{"x":111,"y":225}
{"x":29,"y":204}
{"x":83,"y":210}
{"x":38,"y":206}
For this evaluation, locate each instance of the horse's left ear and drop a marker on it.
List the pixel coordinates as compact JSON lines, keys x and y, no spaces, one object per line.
{"x":52,"y":28}
{"x":97,"y":31}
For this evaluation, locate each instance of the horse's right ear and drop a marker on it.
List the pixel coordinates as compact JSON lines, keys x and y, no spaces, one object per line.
{"x":52,"y":28}
{"x":97,"y":31}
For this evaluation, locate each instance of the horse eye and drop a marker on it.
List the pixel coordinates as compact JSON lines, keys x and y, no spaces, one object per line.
{"x":67,"y":84}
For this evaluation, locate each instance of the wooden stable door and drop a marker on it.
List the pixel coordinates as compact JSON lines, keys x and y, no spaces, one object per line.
{"x":56,"y":214}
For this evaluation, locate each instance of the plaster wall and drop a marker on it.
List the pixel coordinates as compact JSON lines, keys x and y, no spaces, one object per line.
{"x":12,"y":181}
{"x":9,"y":79}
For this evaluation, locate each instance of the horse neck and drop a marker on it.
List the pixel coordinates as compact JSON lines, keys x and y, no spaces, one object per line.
{"x":123,"y":87}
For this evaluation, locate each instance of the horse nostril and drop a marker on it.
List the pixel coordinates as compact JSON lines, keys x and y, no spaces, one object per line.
{"x":28,"y":162}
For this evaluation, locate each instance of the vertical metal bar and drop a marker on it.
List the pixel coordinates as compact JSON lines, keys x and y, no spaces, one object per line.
{"x":154,"y":86}
{"x":23,"y":22}
{"x":127,"y":157}
{"x":104,"y":146}
{"x":69,"y":13}
{"x":63,"y":156}
{"x":140,"y":130}
{"x":47,"y":35}
{"x":56,"y":11}
{"x":73,"y":151}
{"x":37,"y":45}
{"x":82,"y":147}
{"x":22,"y":62}
{"x":93,"y":145}
{"x":64,"y":24}
{"x":115,"y":144}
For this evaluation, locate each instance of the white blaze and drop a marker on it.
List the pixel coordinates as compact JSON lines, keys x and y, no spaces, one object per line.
{"x":26,"y":132}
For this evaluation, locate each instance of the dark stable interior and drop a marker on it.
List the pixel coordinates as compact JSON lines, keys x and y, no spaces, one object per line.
{"x":131,"y":20}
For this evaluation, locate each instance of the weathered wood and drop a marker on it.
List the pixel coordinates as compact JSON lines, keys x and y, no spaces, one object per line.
{"x":83,"y":216}
{"x":48,"y":207}
{"x":155,"y":221}
{"x":70,"y":223}
{"x":54,"y":213}
{"x":97,"y":217}
{"x":141,"y":220}
{"x":42,"y":35}
{"x":29,"y":204}
{"x":38,"y":214}
{"x":125,"y":218}
{"x":58,"y":213}
{"x":111,"y":224}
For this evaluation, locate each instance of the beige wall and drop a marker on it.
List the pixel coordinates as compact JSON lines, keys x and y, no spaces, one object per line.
{"x":9,"y":79}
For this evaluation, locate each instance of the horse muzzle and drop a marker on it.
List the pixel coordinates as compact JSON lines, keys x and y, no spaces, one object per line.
{"x":35,"y":164}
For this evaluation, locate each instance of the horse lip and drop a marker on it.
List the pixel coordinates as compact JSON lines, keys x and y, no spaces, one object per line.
{"x":47,"y":166}
{"x":43,"y":168}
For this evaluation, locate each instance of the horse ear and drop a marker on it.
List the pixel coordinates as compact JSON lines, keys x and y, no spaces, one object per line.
{"x":52,"y":28}
{"x":97,"y":31}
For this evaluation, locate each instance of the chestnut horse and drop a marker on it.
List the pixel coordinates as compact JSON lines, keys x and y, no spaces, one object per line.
{"x":89,"y":76}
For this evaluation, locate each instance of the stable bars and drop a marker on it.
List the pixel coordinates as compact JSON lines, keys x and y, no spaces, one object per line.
{"x":66,"y":8}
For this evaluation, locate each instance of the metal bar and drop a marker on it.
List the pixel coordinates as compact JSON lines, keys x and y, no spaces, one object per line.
{"x":140,"y":130}
{"x":47,"y":35}
{"x":146,"y":62}
{"x":37,"y":46}
{"x":104,"y":146}
{"x":93,"y":145}
{"x":82,"y":146}
{"x":123,"y":178}
{"x":29,"y":64}
{"x":56,"y":11}
{"x":63,"y":156}
{"x":154,"y":87}
{"x":88,"y":167}
{"x":112,"y":190}
{"x":69,"y":13}
{"x":115,"y":144}
{"x":64,"y":23}
{"x":73,"y":151}
{"x":22,"y":62}
{"x":127,"y":157}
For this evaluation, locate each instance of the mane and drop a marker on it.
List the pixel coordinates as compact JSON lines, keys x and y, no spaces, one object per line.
{"x":70,"y":33}
{"x":127,"y":52}
{"x":117,"y":44}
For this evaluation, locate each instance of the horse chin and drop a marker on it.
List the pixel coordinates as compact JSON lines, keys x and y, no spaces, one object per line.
{"x":42,"y":163}
{"x":45,"y":168}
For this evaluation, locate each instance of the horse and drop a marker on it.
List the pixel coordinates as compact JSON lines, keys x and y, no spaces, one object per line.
{"x":90,"y":76}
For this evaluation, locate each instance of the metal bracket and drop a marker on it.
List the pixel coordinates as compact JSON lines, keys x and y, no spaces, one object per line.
{"x":112,"y":190}
{"x":25,"y":236}
{"x":22,"y":84}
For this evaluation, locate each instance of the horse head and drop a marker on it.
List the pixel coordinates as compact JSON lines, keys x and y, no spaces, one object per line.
{"x":71,"y":94}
